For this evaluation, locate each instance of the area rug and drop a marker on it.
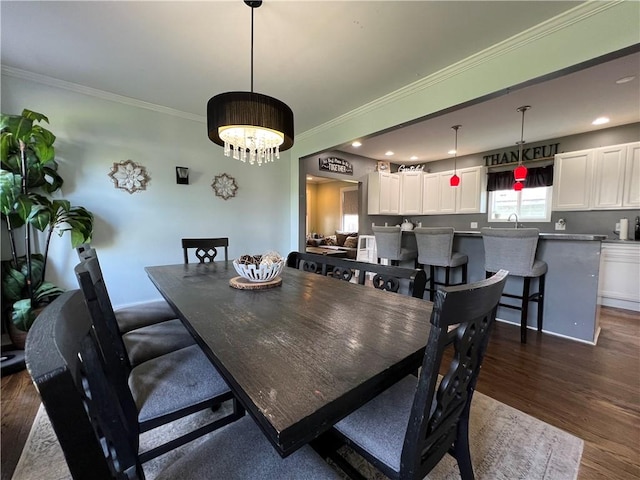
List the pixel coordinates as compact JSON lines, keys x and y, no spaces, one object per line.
{"x":505,"y":444}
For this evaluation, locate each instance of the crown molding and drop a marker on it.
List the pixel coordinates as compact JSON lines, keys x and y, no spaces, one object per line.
{"x":548,"y":27}
{"x":101,"y":94}
{"x":559,"y":22}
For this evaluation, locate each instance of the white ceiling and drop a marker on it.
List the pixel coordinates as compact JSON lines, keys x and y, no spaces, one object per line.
{"x":322,"y":58}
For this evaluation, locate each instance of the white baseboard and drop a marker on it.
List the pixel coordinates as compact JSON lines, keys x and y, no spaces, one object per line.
{"x":619,"y":303}
{"x":554,"y":333}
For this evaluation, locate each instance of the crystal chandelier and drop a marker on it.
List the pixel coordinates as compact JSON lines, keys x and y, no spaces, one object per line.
{"x":250,"y":126}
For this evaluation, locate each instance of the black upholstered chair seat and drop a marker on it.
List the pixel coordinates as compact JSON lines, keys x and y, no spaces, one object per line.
{"x":241,"y":451}
{"x":379,"y":427}
{"x":152,"y":341}
{"x":148,"y":313}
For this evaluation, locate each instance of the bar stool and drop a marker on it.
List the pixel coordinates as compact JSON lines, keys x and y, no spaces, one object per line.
{"x":514,"y":249}
{"x":435,"y":248}
{"x":389,"y":245}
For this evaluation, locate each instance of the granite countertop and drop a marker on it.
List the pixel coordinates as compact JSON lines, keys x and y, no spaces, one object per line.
{"x":545,"y":236}
{"x":624,"y":242}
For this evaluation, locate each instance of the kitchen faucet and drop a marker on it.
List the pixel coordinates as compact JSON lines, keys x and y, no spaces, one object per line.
{"x":513,"y":215}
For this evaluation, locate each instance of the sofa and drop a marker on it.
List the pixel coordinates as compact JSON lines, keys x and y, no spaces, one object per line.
{"x":342,"y":241}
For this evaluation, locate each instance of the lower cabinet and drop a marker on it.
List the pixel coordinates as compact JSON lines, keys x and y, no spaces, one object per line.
{"x":619,"y":281}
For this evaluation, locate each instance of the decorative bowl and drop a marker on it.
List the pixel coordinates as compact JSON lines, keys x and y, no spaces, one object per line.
{"x":259,"y":273}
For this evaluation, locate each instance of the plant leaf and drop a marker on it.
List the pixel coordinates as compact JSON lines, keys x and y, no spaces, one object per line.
{"x":10,"y":187}
{"x":13,"y":284}
{"x":22,"y":314}
{"x":46,"y":291}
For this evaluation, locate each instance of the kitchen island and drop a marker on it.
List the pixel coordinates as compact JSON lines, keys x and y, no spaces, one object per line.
{"x":571,"y":292}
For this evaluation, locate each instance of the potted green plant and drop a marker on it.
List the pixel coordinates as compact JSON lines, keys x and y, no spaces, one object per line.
{"x":27,"y":179}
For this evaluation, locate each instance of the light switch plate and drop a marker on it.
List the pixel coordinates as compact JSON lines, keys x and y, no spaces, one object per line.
{"x":560,"y":226}
{"x":474,"y":224}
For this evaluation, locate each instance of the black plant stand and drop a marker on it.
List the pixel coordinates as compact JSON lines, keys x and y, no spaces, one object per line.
{"x":12,"y":360}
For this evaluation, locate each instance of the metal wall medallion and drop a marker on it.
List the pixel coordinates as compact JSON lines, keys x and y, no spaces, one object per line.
{"x":129,"y":176}
{"x":225,"y":186}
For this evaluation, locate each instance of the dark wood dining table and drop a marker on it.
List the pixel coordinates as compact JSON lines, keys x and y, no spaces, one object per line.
{"x":302,"y":355}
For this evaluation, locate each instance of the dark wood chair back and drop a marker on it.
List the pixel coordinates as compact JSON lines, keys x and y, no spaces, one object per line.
{"x":461,"y":321}
{"x":94,"y":289}
{"x":64,"y":362}
{"x":384,"y":277}
{"x":206,"y":248}
{"x":112,"y":348}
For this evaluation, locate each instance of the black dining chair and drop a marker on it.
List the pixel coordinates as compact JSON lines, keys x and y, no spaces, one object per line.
{"x":99,"y":435}
{"x":140,"y":344}
{"x":135,"y":316}
{"x":408,"y":428}
{"x":382,"y":277}
{"x":205,"y":248}
{"x":162,"y":389}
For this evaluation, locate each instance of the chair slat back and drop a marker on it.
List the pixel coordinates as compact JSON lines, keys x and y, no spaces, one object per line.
{"x":385,"y":277}
{"x":58,"y":346}
{"x":205,"y":248}
{"x":461,"y":319}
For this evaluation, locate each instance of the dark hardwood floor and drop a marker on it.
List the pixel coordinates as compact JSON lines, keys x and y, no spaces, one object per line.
{"x":591,"y":392}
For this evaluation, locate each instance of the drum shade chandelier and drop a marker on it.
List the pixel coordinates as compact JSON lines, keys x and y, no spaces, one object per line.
{"x":520,"y":172}
{"x":250,"y":126}
{"x":454,"y":181}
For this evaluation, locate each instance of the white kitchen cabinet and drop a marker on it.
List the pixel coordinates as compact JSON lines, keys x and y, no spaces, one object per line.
{"x":631,"y":194}
{"x":471,"y":194}
{"x":572,"y":179}
{"x":411,"y":192}
{"x":604,"y":178}
{"x":608,"y":177}
{"x":439,"y":197}
{"x":383,"y":193}
{"x":619,"y":280}
{"x":448,"y":194}
{"x":430,"y":193}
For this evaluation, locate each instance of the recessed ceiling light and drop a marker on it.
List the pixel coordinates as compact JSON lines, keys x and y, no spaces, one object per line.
{"x":413,"y":157}
{"x":451,"y":152}
{"x":389,"y":153}
{"x":628,"y":79}
{"x":600,"y":121}
{"x":356,"y":144}
{"x":309,"y":178}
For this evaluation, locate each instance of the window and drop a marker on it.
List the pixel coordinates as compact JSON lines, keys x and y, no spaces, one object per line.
{"x":349,"y":209}
{"x":530,"y":204}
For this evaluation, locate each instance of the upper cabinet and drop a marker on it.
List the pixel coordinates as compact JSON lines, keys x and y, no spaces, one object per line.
{"x":439,"y":197}
{"x":418,"y":193}
{"x":598,"y":179}
{"x":572,"y":178}
{"x":472,"y":192}
{"x":411,"y":192}
{"x":631,"y":191}
{"x":383,"y":193}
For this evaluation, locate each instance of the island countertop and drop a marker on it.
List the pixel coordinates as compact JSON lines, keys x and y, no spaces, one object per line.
{"x":545,"y":236}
